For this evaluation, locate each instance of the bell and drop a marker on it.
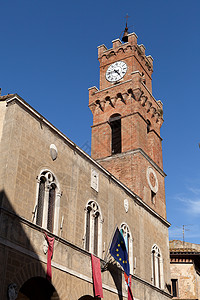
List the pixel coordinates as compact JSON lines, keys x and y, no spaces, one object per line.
{"x":125,"y":36}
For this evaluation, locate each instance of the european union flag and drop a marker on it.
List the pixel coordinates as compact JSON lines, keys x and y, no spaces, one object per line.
{"x":119,"y":252}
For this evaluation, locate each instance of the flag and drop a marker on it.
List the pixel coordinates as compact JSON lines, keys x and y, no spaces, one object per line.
{"x":119,"y":252}
{"x":130,"y":295}
{"x":50,"y":242}
{"x":96,"y":274}
{"x":126,"y":278}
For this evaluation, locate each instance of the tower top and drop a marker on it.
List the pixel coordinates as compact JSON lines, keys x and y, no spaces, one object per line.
{"x":131,"y":53}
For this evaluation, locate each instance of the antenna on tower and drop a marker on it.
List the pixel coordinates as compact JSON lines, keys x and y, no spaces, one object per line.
{"x":125,"y":35}
{"x":125,"y":31}
{"x":184,"y":229}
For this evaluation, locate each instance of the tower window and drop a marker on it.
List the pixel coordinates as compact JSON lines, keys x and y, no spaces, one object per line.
{"x":115,"y":124}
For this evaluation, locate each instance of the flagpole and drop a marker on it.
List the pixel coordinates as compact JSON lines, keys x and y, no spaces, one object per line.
{"x":106,"y":253}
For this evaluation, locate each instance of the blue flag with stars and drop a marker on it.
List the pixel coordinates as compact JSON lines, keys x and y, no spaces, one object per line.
{"x":119,"y":252}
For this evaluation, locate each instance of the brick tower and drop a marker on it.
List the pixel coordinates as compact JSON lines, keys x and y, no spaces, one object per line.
{"x":126,"y":121}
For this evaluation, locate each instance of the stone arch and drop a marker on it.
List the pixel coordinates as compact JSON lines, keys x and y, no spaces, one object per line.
{"x":121,"y":49}
{"x":36,"y":269}
{"x":86,"y":297}
{"x":37,"y":288}
{"x":33,"y":269}
{"x":83,"y":291}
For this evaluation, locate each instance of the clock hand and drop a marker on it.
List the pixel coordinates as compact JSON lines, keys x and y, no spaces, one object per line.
{"x":117,"y":72}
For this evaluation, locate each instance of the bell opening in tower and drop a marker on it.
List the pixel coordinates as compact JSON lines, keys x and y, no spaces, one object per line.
{"x":115,"y":124}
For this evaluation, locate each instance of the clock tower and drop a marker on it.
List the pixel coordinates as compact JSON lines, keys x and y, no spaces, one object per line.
{"x":127,"y":120}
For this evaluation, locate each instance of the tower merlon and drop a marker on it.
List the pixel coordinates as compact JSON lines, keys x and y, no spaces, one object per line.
{"x":101,"y":49}
{"x":150,"y":58}
{"x":142,"y":47}
{"x":160,"y":103}
{"x":132,"y":38}
{"x":116,"y":43}
{"x":92,"y":90}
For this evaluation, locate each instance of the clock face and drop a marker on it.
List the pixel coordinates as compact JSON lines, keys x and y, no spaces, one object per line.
{"x":116,"y":71}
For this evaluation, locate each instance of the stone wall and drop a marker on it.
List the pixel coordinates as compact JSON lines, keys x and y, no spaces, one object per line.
{"x":25,"y":146}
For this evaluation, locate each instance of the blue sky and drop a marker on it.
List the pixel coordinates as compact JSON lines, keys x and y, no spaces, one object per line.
{"x":48,"y":55}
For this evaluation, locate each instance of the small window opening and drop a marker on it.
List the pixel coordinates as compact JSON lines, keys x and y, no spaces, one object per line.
{"x":115,"y":124}
{"x":87,"y":243}
{"x":153,"y":197}
{"x":143,"y":78}
{"x":51,"y":207}
{"x":159,"y":277}
{"x":148,"y":126}
{"x":40,"y":203}
{"x":96,"y":233}
{"x":174,"y":287}
{"x":154,"y":272}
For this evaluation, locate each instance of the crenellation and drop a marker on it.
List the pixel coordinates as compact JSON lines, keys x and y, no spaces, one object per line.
{"x":116,"y":43}
{"x":132,"y":38}
{"x":101,"y":49}
{"x":142,"y":48}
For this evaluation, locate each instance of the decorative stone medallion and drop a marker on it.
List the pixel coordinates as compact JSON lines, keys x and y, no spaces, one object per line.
{"x":12,"y":291}
{"x":152,"y":179}
{"x":126,"y":205}
{"x":45,"y":247}
{"x":53,"y":152}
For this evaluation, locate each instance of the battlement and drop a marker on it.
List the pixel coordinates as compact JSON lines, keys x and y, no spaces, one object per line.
{"x":118,"y":47}
{"x":127,"y":93}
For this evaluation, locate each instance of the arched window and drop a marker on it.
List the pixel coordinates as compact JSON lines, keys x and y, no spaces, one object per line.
{"x":48,"y":201}
{"x":93,"y":228}
{"x":124,"y":229}
{"x":157,"y":267}
{"x":115,"y":124}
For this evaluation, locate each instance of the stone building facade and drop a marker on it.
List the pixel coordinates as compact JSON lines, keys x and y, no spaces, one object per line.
{"x":48,"y":184}
{"x":185,"y":270}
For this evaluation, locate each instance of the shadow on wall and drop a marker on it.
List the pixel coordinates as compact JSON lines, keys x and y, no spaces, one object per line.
{"x":116,"y":274}
{"x":21,"y":271}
